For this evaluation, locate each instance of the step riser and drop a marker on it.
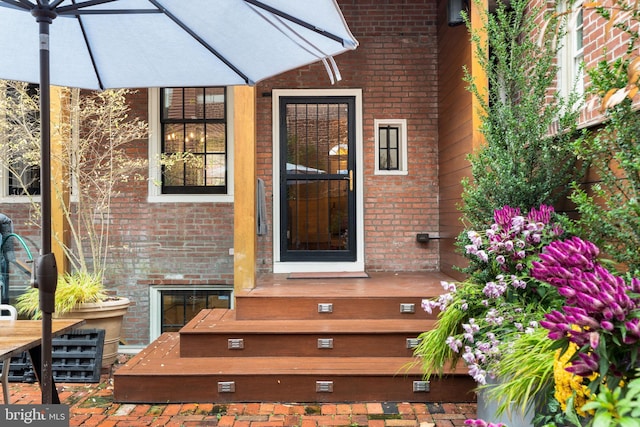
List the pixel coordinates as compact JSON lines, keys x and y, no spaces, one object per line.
{"x":355,"y":345}
{"x":257,"y":308}
{"x":300,"y":388}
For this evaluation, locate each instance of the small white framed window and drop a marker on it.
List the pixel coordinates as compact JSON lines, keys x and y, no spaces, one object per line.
{"x":390,"y":146}
{"x":19,"y":167}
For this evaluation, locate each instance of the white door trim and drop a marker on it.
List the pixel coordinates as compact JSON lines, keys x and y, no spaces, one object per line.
{"x":300,"y":267}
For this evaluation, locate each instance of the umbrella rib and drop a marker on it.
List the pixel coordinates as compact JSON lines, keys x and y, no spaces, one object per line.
{"x":300,"y":39}
{"x":90,"y":51}
{"x":77,"y":6}
{"x":201,"y":41}
{"x":78,"y":12}
{"x":295,"y":20}
{"x":20,"y":4}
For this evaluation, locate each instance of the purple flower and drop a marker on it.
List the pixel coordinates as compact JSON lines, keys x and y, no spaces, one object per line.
{"x":567,"y":292}
{"x":454,"y":344}
{"x":633,"y":328}
{"x":482,"y":423}
{"x":579,"y":316}
{"x":477,"y":373}
{"x":468,"y":355}
{"x":508,"y":245}
{"x":502,"y":217}
{"x":494,"y":290}
{"x":594,"y":339}
{"x":519,"y":284}
{"x":606,"y":325}
{"x":428,"y":305}
{"x":448,"y":286}
{"x":585,"y":365}
{"x":517,"y":223}
{"x":475,"y":238}
{"x":543,"y":214}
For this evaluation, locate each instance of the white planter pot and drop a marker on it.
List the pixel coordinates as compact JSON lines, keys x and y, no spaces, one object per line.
{"x":105,"y":315}
{"x":513,"y":417}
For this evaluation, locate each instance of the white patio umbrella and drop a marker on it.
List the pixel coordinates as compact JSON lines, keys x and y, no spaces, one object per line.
{"x":100,"y":44}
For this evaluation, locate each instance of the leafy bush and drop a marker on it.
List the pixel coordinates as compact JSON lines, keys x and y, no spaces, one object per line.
{"x":526,"y":160}
{"x":610,"y":208}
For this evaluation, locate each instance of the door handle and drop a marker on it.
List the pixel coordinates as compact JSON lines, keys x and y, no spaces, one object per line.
{"x":350,"y":179}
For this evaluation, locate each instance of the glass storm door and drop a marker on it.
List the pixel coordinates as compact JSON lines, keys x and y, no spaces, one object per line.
{"x":317,"y":179}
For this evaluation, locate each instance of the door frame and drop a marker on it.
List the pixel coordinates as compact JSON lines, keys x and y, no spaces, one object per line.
{"x":306,"y":266}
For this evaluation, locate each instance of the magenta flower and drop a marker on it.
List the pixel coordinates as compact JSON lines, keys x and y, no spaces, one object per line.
{"x":482,"y":423}
{"x":504,"y":217}
{"x":585,"y":365}
{"x":601,"y":315}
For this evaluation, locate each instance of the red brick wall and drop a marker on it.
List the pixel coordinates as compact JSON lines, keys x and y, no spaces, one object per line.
{"x":395,"y":65}
{"x":599,"y":37}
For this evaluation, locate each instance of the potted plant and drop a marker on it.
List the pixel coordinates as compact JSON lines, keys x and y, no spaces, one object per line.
{"x":482,"y":319}
{"x":95,"y":137}
{"x":83,"y":295}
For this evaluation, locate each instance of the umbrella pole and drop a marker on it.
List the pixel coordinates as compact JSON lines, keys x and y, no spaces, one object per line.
{"x":46,"y":270}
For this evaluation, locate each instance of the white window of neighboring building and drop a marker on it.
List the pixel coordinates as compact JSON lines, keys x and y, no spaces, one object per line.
{"x":19,"y":176}
{"x":197,"y":121}
{"x":390,"y":147}
{"x":571,"y":54}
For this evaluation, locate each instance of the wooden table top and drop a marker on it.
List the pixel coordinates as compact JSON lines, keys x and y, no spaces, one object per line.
{"x":17,"y":336}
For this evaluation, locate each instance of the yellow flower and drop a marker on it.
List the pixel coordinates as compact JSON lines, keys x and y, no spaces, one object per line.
{"x":568,"y":384}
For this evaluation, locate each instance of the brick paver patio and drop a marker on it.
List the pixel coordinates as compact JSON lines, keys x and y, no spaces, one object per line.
{"x":92,"y":404}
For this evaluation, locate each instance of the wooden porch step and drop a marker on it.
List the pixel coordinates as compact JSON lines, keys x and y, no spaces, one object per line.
{"x":158,"y":374}
{"x":385,"y":295}
{"x":217,"y":333}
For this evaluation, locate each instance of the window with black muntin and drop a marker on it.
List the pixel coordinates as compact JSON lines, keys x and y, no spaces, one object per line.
{"x":194,"y":140}
{"x":389,"y":147}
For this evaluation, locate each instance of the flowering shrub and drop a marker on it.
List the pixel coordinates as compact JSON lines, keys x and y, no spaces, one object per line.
{"x":479,"y":317}
{"x":601,"y":315}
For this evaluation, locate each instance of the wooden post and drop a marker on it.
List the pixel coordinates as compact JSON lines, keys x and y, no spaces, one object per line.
{"x":244,"y":222}
{"x":478,"y":10}
{"x":59,"y":175}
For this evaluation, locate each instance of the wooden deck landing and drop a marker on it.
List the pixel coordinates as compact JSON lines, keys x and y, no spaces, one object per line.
{"x":311,"y":340}
{"x":378,"y":284}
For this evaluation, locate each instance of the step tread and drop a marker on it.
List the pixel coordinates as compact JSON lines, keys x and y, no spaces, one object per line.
{"x":377,"y":285}
{"x":216,"y":321}
{"x":162,"y":358}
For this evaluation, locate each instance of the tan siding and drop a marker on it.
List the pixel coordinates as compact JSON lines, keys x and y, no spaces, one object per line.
{"x":455,"y":133}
